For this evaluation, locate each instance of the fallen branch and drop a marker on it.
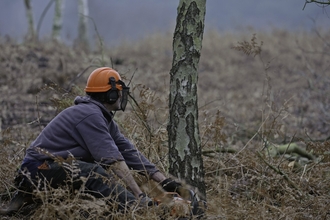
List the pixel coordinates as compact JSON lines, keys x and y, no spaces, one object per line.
{"x":291,"y":148}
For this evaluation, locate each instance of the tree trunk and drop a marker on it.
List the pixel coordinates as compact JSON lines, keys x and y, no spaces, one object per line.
{"x":83,"y":15}
{"x":57,"y":22}
{"x":29,"y":14}
{"x":185,"y":156}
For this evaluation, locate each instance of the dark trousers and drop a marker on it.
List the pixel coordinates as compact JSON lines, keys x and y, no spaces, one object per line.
{"x":97,"y":181}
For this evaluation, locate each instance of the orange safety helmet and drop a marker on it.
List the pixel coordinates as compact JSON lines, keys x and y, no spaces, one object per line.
{"x":99,"y":80}
{"x":104,"y":84}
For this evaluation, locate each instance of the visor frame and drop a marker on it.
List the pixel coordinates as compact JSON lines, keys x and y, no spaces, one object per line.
{"x":124,"y":94}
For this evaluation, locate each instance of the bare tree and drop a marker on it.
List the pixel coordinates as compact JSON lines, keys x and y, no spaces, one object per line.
{"x":185,"y":158}
{"x":83,"y":21}
{"x":31,"y":31}
{"x":58,"y":19}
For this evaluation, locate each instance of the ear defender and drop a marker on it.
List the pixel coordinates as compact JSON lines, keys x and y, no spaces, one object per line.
{"x":112,"y":94}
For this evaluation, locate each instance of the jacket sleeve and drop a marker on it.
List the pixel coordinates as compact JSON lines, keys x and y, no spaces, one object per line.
{"x":133,"y":157}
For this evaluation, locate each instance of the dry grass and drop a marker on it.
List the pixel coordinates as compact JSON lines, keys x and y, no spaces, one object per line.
{"x":255,"y":92}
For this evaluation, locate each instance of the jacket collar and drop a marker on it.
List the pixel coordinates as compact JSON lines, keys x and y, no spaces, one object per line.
{"x":87,"y":99}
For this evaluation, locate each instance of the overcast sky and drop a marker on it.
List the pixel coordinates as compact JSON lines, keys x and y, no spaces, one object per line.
{"x":133,"y":19}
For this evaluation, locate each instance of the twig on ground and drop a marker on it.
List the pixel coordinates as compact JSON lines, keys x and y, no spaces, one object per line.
{"x":221,"y":150}
{"x":281,"y":173}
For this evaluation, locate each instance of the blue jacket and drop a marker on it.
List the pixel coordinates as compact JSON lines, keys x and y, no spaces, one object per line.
{"x":87,"y":131}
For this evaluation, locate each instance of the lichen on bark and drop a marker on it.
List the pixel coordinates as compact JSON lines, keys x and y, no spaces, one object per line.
{"x":185,"y":160}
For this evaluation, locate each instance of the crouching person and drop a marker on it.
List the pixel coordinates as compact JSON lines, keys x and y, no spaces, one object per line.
{"x":88,"y":133}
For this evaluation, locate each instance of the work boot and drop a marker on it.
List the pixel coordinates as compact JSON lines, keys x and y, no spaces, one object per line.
{"x":16,"y":203}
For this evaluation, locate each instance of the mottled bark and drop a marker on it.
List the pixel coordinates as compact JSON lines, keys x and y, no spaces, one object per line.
{"x":185,"y":158}
{"x":57,"y":21}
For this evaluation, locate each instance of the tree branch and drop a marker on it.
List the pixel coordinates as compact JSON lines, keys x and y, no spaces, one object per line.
{"x":317,"y":2}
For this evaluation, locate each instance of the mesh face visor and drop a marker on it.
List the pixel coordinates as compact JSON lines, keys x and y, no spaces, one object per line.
{"x":125,"y":93}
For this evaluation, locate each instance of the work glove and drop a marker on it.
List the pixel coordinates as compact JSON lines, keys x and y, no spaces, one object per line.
{"x":145,"y":201}
{"x":171,"y":185}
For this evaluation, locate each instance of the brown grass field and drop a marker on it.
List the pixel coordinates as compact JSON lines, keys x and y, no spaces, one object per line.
{"x":258,"y":92}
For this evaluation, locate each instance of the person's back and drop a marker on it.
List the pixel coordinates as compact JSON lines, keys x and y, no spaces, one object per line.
{"x":71,"y":132}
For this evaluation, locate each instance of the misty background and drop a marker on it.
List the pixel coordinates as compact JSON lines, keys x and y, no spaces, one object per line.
{"x":127,"y":20}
